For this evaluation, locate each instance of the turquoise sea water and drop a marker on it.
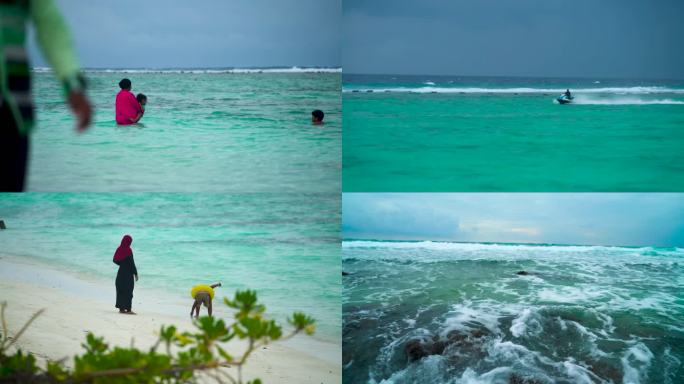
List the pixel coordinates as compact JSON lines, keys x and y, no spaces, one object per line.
{"x":204,"y":131}
{"x":446,"y":134}
{"x":438,"y":312}
{"x":286,"y":246}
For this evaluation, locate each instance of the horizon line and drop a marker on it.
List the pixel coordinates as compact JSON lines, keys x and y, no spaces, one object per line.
{"x":209,"y":67}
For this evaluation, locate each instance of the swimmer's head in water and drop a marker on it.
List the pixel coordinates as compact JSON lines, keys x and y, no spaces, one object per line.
{"x":142,"y":99}
{"x":317,"y":116}
{"x":125,"y":84}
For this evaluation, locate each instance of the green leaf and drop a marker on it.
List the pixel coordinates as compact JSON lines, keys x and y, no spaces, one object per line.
{"x":302,"y":322}
{"x":149,"y":366}
{"x":226,"y":356}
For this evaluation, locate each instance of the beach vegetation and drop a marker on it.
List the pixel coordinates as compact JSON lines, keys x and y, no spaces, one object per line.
{"x":176,"y":357}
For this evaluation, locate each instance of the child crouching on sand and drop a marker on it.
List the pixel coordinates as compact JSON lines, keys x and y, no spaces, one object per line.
{"x":203,"y":294}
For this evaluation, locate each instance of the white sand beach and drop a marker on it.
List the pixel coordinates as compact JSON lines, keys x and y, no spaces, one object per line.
{"x":75,"y":305}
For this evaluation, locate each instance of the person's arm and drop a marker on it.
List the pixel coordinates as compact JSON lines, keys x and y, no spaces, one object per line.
{"x":216,"y":285}
{"x":135,"y":270}
{"x":137,"y":118}
{"x":134,"y":103}
{"x":55,"y":41}
{"x":209,"y":307}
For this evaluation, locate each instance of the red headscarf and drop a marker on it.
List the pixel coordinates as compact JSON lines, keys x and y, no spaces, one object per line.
{"x":124,"y":249}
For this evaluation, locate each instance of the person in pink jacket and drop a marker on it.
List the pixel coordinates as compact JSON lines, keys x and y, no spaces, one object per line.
{"x":128,"y":109}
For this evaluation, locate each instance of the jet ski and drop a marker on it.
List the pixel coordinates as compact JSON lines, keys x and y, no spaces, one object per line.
{"x":564,"y":99}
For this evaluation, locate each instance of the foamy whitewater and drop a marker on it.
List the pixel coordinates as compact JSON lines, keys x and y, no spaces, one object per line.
{"x":596,"y":96}
{"x":440,"y":312}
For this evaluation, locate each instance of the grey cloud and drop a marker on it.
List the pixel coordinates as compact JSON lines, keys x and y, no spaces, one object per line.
{"x":581,"y":38}
{"x":559,"y":218}
{"x":211,"y":33}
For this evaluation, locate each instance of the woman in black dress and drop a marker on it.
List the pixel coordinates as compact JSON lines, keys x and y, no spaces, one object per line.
{"x":123,"y":257}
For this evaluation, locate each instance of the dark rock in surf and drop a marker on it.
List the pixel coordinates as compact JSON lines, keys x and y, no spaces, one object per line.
{"x":456,"y":337}
{"x":465,"y":338}
{"x":345,"y":273}
{"x":522,"y":273}
{"x":477,"y":333}
{"x":515,"y":379}
{"x":606,"y":370}
{"x":415,"y":350}
{"x":438,"y":347}
{"x":2,"y":224}
{"x":453,"y":346}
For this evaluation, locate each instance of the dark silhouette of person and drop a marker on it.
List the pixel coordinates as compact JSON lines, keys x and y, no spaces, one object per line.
{"x":16,"y":107}
{"x":123,"y":257}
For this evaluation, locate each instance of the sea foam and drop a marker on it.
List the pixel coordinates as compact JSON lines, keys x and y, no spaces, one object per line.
{"x":588,"y":100}
{"x":518,"y":90}
{"x":456,"y":246}
{"x":294,"y":69}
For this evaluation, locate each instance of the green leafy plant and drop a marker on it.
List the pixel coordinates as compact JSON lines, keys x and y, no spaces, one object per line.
{"x":185,"y":355}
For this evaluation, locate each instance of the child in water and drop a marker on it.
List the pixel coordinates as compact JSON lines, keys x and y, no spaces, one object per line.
{"x":203,"y":294}
{"x":142,"y":99}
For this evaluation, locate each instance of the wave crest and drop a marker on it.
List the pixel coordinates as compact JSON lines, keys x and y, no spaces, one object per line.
{"x":520,"y":90}
{"x":294,"y":69}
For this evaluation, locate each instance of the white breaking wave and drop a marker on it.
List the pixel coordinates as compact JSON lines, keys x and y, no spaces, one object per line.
{"x":635,"y":363}
{"x":523,"y":90}
{"x":587,"y":100}
{"x":527,"y":319}
{"x":444,"y":245}
{"x":209,"y":70}
{"x":434,"y":251}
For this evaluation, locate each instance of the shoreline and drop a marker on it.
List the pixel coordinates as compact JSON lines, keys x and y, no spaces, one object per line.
{"x":28,"y":286}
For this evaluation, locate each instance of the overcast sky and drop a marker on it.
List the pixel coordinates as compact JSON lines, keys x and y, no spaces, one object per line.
{"x":574,"y":38}
{"x":206,"y":33}
{"x":558,"y":218}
